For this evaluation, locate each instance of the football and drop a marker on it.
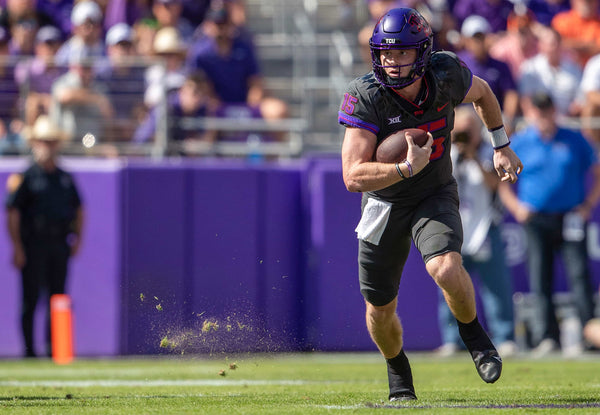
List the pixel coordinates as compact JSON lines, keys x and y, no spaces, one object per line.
{"x":393,"y":148}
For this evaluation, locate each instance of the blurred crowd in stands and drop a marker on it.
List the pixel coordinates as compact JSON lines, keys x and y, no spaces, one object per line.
{"x":111,"y":70}
{"x":126,"y":71}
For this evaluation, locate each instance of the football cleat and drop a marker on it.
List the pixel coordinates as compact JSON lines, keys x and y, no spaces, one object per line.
{"x":488,"y":364}
{"x":403,"y":396}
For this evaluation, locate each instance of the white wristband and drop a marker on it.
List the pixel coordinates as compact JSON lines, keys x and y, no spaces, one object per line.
{"x":499,"y":137}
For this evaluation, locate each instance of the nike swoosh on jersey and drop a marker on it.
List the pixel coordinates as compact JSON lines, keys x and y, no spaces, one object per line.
{"x":442,"y":107}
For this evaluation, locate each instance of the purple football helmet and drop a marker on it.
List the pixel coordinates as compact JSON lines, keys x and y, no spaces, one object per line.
{"x":401,"y":28}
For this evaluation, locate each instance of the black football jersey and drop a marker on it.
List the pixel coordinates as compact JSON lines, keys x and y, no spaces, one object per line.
{"x":369,"y":105}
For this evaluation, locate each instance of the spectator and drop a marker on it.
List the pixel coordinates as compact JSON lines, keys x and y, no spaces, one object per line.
{"x":144,"y":33}
{"x":16,"y":10}
{"x":79,"y":102}
{"x":22,"y":37}
{"x":553,"y":72}
{"x":168,"y":14}
{"x":580,"y":29}
{"x":590,"y":88}
{"x":35,"y":76}
{"x":476,"y":56}
{"x":495,"y":12}
{"x":86,"y":38}
{"x":22,"y":18}
{"x":123,"y":75}
{"x":553,"y":204}
{"x":45,"y":218}
{"x":195,"y":98}
{"x":229,"y":60}
{"x":444,"y":25}
{"x":169,"y":73}
{"x":237,"y":11}
{"x":545,"y":10}
{"x":519,"y":43}
{"x":60,"y":13}
{"x":128,"y":12}
{"x":195,"y":10}
{"x":10,"y":120}
{"x":131,"y":12}
{"x":483,"y":250}
{"x":11,"y":144}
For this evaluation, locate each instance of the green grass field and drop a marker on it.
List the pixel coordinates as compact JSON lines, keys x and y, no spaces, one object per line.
{"x":312,"y":383}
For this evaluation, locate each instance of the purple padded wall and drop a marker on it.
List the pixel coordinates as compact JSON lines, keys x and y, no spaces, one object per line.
{"x":155,"y":291}
{"x":283,"y":268}
{"x":246,"y":263}
{"x":334,"y":305}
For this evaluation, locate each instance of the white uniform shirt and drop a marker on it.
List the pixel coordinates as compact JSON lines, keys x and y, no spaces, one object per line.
{"x":591,"y":75}
{"x":561,"y":83}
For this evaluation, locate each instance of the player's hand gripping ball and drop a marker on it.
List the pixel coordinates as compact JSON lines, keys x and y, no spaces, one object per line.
{"x":394,"y":147}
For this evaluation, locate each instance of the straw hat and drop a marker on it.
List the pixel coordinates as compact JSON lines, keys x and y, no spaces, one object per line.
{"x":45,"y":130}
{"x":167,"y":40}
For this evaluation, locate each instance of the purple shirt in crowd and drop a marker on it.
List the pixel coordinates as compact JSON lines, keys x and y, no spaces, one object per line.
{"x":544,"y":10}
{"x":496,"y":15}
{"x":496,"y":73}
{"x":147,"y":129}
{"x":124,"y":11}
{"x":9,"y":93}
{"x":36,"y":76}
{"x":228,"y":74}
{"x":59,"y":11}
{"x":128,"y":11}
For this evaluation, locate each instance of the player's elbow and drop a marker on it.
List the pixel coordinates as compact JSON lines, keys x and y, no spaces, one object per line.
{"x":353,"y":185}
{"x":354,"y":177}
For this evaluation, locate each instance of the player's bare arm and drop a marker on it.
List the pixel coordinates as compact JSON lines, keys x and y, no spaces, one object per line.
{"x":506,"y":162}
{"x":362,"y":174}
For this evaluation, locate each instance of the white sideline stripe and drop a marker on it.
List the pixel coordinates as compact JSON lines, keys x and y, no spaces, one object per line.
{"x":149,"y":383}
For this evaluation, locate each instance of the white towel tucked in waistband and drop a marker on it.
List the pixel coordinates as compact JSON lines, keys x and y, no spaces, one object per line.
{"x":373,"y":221}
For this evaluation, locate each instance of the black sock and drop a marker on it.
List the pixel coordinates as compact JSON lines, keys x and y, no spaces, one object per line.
{"x":474,"y":336}
{"x":399,"y":374}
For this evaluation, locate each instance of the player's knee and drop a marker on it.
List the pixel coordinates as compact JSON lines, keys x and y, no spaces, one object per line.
{"x":381,"y":313}
{"x":445,"y":270}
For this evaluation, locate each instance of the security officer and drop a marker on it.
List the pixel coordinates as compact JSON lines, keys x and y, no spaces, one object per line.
{"x":45,"y":218}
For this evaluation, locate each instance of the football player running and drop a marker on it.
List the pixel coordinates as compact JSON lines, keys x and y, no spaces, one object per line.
{"x":412,"y":87}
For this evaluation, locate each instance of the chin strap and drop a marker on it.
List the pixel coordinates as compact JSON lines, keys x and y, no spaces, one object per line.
{"x":405,"y":81}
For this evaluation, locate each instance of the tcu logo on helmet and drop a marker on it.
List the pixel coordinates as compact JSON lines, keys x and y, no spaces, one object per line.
{"x":417,"y":24}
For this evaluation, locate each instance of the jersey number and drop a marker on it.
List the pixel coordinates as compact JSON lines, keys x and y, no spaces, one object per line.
{"x":437,"y":148}
{"x":348,"y":104}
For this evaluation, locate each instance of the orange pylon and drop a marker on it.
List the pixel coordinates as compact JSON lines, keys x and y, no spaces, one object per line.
{"x":61,"y":325}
